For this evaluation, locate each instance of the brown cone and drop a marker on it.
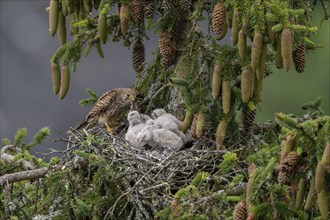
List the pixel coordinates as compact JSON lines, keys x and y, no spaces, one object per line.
{"x":53,"y":16}
{"x":298,"y":57}
{"x":193,"y":126}
{"x":286,"y":48}
{"x":186,"y":5}
{"x":65,"y":80}
{"x":137,"y":11}
{"x":138,"y":56}
{"x":124,"y":18}
{"x":226,"y":96}
{"x":221,"y":133}
{"x":248,"y":120}
{"x":103,"y":28}
{"x":291,"y":159}
{"x":216,"y":81}
{"x":149,"y":9}
{"x":200,"y":124}
{"x":167,"y":48}
{"x":219,"y":18}
{"x":56,"y":77}
{"x":168,"y":5}
{"x":256,"y":50}
{"x":240,"y":211}
{"x":246,"y":84}
{"x":235,"y":28}
{"x":61,"y":29}
{"x":241,"y":44}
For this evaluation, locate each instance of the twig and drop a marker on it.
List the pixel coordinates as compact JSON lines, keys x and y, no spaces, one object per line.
{"x":154,"y":96}
{"x":23,"y":175}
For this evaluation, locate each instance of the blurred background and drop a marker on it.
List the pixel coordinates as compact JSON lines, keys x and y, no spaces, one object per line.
{"x":27,"y":99}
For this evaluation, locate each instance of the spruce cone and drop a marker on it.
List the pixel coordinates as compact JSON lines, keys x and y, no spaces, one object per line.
{"x":103,"y":28}
{"x":124,"y":18}
{"x":235,"y":28}
{"x":56,"y":77}
{"x":279,"y":59}
{"x":64,"y":7}
{"x":200,"y":124}
{"x":262,"y":64}
{"x":138,"y":56}
{"x":221,"y":133}
{"x":149,"y":9}
{"x":248,"y":120}
{"x":65,"y":80}
{"x":167,"y":48}
{"x":240,"y":211}
{"x":283,"y":177}
{"x":186,"y":5}
{"x":291,"y":159}
{"x":246,"y":83}
{"x":216,"y":81}
{"x":137,"y":11}
{"x":218,"y":18}
{"x":286,"y":48}
{"x":226,"y":96}
{"x":168,"y":5}
{"x":53,"y":16}
{"x":256,"y":50}
{"x":193,"y":126}
{"x":298,"y":57}
{"x":61,"y":29}
{"x":188,"y":118}
{"x":241,"y":44}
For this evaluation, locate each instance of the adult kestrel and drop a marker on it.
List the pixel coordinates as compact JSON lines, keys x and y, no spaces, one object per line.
{"x":108,"y":107}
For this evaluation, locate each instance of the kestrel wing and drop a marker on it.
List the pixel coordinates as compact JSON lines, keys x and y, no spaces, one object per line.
{"x":104,"y":103}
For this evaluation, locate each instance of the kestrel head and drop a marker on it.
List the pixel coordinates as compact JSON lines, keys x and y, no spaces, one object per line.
{"x":157,"y":112}
{"x":134,"y":118}
{"x":127,"y":95}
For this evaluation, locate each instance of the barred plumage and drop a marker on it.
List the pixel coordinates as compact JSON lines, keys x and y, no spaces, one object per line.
{"x":218,"y":18}
{"x":298,"y":57}
{"x":108,"y":107}
{"x":138,"y":56}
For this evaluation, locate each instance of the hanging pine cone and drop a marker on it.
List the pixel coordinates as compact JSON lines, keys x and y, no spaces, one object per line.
{"x":241,"y":44}
{"x":149,"y":9}
{"x":226,"y":96}
{"x":124,"y":18}
{"x":61,"y":29}
{"x":200,"y":124}
{"x":185,"y":5}
{"x":291,"y":159}
{"x":138,"y":56}
{"x":56,"y":77}
{"x":218,"y":18}
{"x":193,"y":126}
{"x":298,"y":57}
{"x":240,"y":211}
{"x":286,"y":48}
{"x":168,"y":5}
{"x":235,"y":28}
{"x":53,"y":16}
{"x":65,"y":80}
{"x":248,"y":120}
{"x":216,"y":81}
{"x":221,"y":133}
{"x":137,"y":11}
{"x":167,"y":48}
{"x":283,"y":177}
{"x":246,"y":83}
{"x":279,"y":59}
{"x":256,"y":50}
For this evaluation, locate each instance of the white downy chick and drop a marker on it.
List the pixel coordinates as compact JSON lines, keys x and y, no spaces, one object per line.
{"x":160,"y":137}
{"x":146,"y":134}
{"x":135,"y":126}
{"x":161,"y":112}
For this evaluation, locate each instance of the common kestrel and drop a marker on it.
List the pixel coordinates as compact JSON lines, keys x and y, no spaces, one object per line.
{"x":108,"y":107}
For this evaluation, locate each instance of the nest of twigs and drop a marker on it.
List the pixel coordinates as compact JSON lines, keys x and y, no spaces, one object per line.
{"x":149,"y":179}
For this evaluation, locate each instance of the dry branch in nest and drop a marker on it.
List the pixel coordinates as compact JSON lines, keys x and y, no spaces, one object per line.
{"x":148,"y":177}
